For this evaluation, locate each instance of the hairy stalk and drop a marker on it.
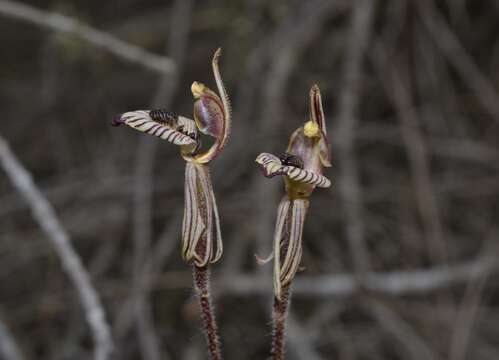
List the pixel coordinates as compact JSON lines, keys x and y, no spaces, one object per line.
{"x":202,"y":286}
{"x":301,"y":165}
{"x":280,"y":313}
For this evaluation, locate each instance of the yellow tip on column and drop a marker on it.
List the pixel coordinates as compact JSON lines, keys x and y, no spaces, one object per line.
{"x":197,"y":89}
{"x":311,"y":129}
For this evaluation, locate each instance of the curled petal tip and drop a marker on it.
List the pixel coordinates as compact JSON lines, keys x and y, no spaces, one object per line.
{"x":117,"y":121}
{"x":217,"y":53}
{"x":263,"y":261}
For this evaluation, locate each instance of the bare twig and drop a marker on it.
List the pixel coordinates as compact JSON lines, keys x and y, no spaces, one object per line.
{"x":468,"y":310}
{"x":411,"y":282}
{"x":101,"y":39}
{"x":400,"y":330}
{"x":466,"y":317}
{"x":457,"y":55}
{"x":48,"y":221}
{"x":349,"y":182}
{"x":8,"y":346}
{"x":150,"y":268}
{"x":420,"y":166}
{"x":143,"y":189}
{"x":300,"y":342}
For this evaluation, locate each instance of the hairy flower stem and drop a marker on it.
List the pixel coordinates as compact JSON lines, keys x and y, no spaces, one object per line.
{"x":280,"y":314}
{"x":201,"y":282}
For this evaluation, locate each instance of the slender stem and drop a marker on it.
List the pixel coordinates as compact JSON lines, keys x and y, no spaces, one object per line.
{"x":201,"y":282}
{"x":280,"y":314}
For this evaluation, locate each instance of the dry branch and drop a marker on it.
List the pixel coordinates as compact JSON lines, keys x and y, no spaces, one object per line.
{"x":411,"y":282}
{"x":45,"y":215}
{"x":457,"y":55}
{"x":349,"y":180}
{"x":9,"y":350}
{"x":180,"y":21}
{"x":98,"y":38}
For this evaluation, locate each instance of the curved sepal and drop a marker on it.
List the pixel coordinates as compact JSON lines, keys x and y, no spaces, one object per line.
{"x":271,"y":166}
{"x":141,"y":120}
{"x":212,"y":113}
{"x":317,"y":117}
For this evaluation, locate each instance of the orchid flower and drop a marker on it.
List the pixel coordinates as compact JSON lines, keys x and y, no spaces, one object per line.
{"x":301,"y":166}
{"x":201,"y":235}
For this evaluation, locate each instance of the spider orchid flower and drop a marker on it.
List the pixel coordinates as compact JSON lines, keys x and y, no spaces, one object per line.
{"x":301,"y":166}
{"x":201,"y":236}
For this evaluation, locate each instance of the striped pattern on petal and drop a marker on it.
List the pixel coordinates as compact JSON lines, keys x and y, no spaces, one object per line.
{"x":193,"y":224}
{"x":201,"y":235}
{"x":293,"y":248}
{"x":272,"y":166}
{"x":141,"y":121}
{"x":217,"y":249}
{"x":288,"y":241}
{"x":282,"y":214}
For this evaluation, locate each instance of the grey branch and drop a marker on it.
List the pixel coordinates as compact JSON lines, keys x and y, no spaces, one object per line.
{"x":101,"y":39}
{"x":420,"y":166}
{"x":401,"y":331}
{"x":180,"y":21}
{"x":415,"y":282}
{"x":349,"y":180}
{"x":300,"y":342}
{"x":45,"y":215}
{"x":457,"y":55}
{"x":8,"y":346}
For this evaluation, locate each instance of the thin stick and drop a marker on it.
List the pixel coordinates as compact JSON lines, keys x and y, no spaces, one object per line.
{"x":458,"y":57}
{"x":280,"y":314}
{"x":202,"y":286}
{"x":9,"y":350}
{"x":144,"y":267}
{"x":45,"y":215}
{"x":101,"y":39}
{"x":349,"y":180}
{"x":400,"y":329}
{"x":396,"y":283}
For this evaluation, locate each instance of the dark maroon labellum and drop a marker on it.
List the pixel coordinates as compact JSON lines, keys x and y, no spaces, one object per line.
{"x":117,"y":120}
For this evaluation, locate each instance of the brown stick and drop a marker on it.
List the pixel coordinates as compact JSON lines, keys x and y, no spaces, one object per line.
{"x":280,"y":314}
{"x":201,"y":282}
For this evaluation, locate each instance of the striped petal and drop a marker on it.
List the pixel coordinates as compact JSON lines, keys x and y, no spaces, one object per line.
{"x":282,"y":214}
{"x":293,"y":249}
{"x":193,"y":224}
{"x":141,"y":121}
{"x":271,"y":166}
{"x":201,"y":235}
{"x":288,"y":241}
{"x":217,"y":248}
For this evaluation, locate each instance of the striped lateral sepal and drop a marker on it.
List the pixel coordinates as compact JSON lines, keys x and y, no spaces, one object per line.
{"x":271,"y":166}
{"x":179,"y":131}
{"x":288,"y":241}
{"x":201,"y":236}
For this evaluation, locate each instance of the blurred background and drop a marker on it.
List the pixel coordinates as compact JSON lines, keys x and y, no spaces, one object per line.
{"x":399,"y":254}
